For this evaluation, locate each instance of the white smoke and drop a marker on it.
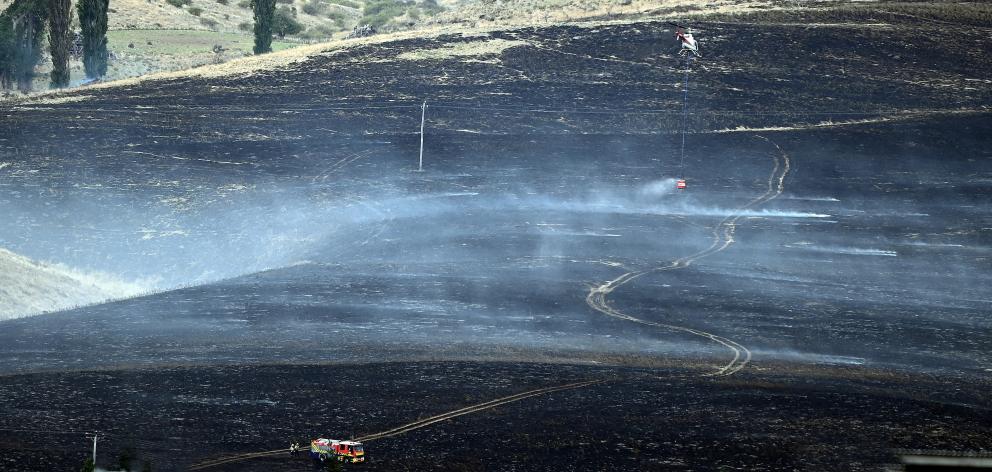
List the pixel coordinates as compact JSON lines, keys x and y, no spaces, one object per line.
{"x":657,"y":188}
{"x":29,"y":287}
{"x":809,"y":199}
{"x":808,"y":357}
{"x":853,"y":251}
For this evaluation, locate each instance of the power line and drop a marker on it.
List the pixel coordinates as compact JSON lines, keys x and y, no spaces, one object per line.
{"x":49,"y":431}
{"x":576,"y":111}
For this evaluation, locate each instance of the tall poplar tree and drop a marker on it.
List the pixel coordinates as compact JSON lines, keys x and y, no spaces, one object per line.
{"x":59,"y":40}
{"x":264,"y":10}
{"x":93,"y":21}
{"x":27,"y":30}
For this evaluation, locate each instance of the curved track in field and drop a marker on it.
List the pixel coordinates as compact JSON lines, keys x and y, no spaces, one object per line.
{"x":723,"y":237}
{"x":476,"y":408}
{"x":421,"y":423}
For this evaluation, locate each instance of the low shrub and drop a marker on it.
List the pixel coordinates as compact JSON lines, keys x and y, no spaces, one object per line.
{"x":284,"y":22}
{"x":378,"y":12}
{"x":338,"y":18}
{"x":431,"y":7}
{"x":314,"y":7}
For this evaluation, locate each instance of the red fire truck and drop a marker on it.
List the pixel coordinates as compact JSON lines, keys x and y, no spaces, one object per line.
{"x":333,"y":449}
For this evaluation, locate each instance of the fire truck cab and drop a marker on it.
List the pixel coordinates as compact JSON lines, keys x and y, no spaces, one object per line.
{"x":333,"y":449}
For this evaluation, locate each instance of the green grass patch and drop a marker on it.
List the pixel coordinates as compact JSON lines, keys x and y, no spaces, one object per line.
{"x":318,"y":32}
{"x":182,"y":42}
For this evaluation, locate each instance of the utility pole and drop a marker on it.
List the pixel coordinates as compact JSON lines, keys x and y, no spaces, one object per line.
{"x":423,"y":114}
{"x":95,"y":437}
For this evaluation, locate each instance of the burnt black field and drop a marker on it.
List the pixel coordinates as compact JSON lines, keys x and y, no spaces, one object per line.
{"x":305,"y":280}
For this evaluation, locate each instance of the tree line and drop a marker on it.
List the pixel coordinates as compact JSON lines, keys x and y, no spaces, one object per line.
{"x":23,"y":27}
{"x":22,"y":30}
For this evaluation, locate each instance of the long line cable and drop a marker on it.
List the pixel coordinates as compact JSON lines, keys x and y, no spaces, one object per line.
{"x":685,"y":113}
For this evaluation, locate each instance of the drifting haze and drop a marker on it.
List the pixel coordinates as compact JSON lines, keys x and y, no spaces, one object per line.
{"x":28,"y":287}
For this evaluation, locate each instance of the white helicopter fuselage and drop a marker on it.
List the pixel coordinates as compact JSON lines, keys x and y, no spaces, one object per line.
{"x":688,"y":42}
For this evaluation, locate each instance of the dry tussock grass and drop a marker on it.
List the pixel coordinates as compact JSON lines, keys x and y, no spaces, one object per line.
{"x":29,"y":287}
{"x":469,"y":49}
{"x":58,"y":100}
{"x":535,"y":12}
{"x":274,"y":61}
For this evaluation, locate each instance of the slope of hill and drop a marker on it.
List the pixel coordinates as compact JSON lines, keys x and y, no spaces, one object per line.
{"x":148,"y":36}
{"x":321,"y":18}
{"x":522,"y":12}
{"x":28,"y":287}
{"x":848,"y":238}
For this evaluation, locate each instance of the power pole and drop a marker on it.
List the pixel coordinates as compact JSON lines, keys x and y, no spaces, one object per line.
{"x":95,"y":437}
{"x":423,"y":114}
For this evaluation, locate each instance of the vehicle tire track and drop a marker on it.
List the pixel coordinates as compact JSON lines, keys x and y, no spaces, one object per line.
{"x":384,"y":220}
{"x":414,"y":425}
{"x":340,"y":164}
{"x":236,"y":458}
{"x":475,"y":409}
{"x":723,"y":237}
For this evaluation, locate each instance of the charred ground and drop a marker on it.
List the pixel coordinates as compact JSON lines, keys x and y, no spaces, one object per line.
{"x":862,"y":290}
{"x":643,"y":419}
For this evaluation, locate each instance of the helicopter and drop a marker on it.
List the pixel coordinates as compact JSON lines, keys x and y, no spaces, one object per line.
{"x":689,"y":45}
{"x":689,"y":48}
